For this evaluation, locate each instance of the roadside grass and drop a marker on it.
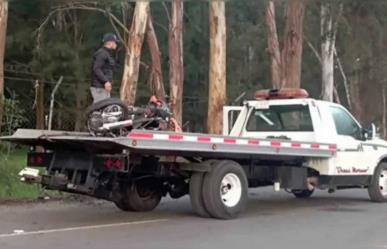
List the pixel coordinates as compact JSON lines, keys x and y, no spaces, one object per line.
{"x":11,"y":188}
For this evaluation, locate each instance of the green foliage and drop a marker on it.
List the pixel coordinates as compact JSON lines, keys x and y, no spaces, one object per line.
{"x":10,"y":185}
{"x":69,"y":38}
{"x":14,"y":116}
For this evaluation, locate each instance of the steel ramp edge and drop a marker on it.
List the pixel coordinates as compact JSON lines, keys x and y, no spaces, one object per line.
{"x":173,"y":143}
{"x":36,"y":134}
{"x":194,"y":142}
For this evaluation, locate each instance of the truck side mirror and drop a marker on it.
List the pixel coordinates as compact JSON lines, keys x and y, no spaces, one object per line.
{"x":370,"y":133}
{"x":373,"y":131}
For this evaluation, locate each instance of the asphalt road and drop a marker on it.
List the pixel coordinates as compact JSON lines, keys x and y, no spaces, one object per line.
{"x":344,"y":219}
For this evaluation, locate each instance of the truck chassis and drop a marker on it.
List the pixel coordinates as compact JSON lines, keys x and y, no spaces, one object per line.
{"x":136,"y":171}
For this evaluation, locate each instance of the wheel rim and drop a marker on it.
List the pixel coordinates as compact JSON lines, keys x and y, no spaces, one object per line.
{"x":112,"y":111}
{"x":111,"y":114}
{"x":383,"y":182}
{"x":144,"y":193}
{"x":230,"y":190}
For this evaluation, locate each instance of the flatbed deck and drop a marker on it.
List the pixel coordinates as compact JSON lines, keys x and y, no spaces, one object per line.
{"x":169,"y":143}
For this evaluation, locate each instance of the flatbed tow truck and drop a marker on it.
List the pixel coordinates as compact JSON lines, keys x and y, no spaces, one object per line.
{"x":282,"y":138}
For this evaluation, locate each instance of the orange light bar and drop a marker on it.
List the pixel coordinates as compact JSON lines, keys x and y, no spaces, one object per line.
{"x":284,"y":93}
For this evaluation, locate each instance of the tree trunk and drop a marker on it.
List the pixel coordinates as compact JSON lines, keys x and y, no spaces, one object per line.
{"x":328,"y":29}
{"x":327,"y":44}
{"x":79,"y":95}
{"x":384,"y":110}
{"x":155,"y":81}
{"x":336,"y":96}
{"x":79,"y":90}
{"x":3,"y":35}
{"x":176,"y":70}
{"x":293,"y":42}
{"x":357,"y":68}
{"x":354,"y":90}
{"x":133,"y":52}
{"x":345,"y":80}
{"x":217,"y":71}
{"x":39,"y":106}
{"x":273,"y":45}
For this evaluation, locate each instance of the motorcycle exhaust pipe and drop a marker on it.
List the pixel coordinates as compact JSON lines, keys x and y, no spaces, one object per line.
{"x":115,"y":125}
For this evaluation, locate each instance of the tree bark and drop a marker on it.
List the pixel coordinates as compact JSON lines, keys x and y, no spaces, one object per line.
{"x":39,"y":106}
{"x":176,"y":70}
{"x":293,"y":42}
{"x":155,"y":81}
{"x":384,"y":110}
{"x":133,"y":52}
{"x":354,"y":90}
{"x":217,"y":71}
{"x":328,"y":29}
{"x":79,"y":95}
{"x":3,"y":35}
{"x":336,"y":96}
{"x":273,"y":45}
{"x":80,"y":91}
{"x":327,"y":43}
{"x":345,"y":80}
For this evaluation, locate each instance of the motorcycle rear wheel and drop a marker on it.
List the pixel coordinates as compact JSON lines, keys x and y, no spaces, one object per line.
{"x":98,"y":110}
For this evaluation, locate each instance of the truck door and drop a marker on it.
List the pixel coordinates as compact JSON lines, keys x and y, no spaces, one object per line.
{"x":230,"y":116}
{"x":351,"y":158}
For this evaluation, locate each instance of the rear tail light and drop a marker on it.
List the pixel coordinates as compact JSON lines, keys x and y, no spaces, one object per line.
{"x":110,"y":163}
{"x":37,"y":159}
{"x":118,"y":164}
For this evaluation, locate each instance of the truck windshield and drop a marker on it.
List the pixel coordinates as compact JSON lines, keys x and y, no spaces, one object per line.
{"x":280,"y":118}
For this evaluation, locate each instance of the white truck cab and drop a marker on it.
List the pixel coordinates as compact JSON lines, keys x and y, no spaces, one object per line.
{"x":290,"y":114}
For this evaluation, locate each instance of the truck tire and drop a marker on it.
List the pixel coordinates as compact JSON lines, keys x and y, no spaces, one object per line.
{"x":139,"y":199}
{"x":124,"y":205}
{"x":225,"y":190}
{"x":377,"y":189}
{"x":302,"y":193}
{"x":196,"y":191}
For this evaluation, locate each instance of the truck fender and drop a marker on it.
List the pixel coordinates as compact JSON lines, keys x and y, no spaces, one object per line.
{"x":382,"y":159}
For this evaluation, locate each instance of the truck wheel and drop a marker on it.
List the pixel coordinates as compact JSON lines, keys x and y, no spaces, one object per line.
{"x":196,"y":193}
{"x":121,"y":201}
{"x":138,"y":198}
{"x":123,"y":205}
{"x":377,"y":190}
{"x":303,"y":193}
{"x":196,"y":196}
{"x":225,"y":190}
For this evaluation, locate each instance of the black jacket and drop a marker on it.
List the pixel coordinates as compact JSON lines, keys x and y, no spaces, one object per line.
{"x":102,"y":67}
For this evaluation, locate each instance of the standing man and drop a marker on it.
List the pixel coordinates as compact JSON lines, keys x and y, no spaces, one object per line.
{"x":102,"y":68}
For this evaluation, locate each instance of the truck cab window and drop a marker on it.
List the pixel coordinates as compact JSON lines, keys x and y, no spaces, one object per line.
{"x":232,"y":118}
{"x":345,"y":124}
{"x":280,"y":118}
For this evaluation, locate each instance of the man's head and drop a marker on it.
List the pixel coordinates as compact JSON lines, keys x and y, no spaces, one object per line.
{"x":110,"y":41}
